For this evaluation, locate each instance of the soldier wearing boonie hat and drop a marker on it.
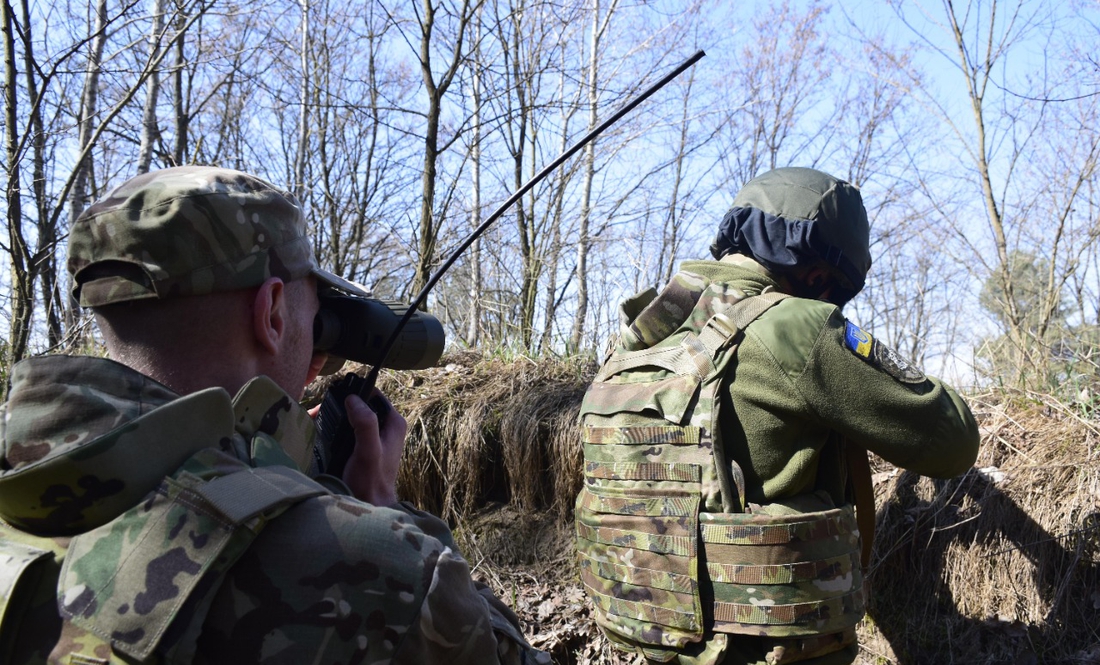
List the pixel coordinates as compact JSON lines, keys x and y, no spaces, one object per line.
{"x":715,"y":524}
{"x":151,"y":524}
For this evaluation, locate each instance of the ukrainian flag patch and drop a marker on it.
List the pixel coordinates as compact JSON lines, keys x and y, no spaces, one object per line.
{"x":879,"y":355}
{"x":858,"y":340}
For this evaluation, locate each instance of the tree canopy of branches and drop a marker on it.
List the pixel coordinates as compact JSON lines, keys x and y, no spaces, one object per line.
{"x":401,"y":125}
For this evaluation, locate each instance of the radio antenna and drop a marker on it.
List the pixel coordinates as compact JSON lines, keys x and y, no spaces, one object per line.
{"x":372,"y":377}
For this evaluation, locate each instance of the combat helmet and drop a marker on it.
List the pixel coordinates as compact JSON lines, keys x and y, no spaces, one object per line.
{"x":800,"y":217}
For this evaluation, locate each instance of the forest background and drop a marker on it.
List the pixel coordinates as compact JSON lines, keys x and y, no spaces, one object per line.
{"x":969,"y":127}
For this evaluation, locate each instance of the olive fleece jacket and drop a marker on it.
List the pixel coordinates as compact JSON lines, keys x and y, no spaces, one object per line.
{"x":799,"y":384}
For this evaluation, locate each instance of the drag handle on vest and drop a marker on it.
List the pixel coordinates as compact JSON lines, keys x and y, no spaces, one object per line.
{"x":335,"y":437}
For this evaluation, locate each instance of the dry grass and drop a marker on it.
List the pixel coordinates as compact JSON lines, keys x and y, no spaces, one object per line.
{"x":483,"y":431}
{"x":1001,"y":565}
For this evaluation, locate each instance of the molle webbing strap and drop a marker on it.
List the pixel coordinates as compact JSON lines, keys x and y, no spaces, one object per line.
{"x":777,"y":533}
{"x":642,"y":435}
{"x":621,"y":453}
{"x":665,"y":616}
{"x":637,"y":539}
{"x":687,"y":359}
{"x":670,"y":580}
{"x":784,"y":573}
{"x":642,"y":471}
{"x":631,"y":505}
{"x":785,"y":615}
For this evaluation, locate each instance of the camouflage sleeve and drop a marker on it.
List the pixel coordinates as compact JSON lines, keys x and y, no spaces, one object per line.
{"x":336,"y":580}
{"x":461,"y":621}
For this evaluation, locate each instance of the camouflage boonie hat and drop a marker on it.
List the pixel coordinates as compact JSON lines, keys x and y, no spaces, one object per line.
{"x":190,"y":230}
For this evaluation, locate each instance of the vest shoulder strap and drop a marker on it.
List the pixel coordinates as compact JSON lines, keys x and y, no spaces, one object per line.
{"x":127,"y":580}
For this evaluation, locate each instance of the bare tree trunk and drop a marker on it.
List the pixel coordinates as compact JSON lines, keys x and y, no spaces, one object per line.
{"x":584,"y":243}
{"x":428,"y":229}
{"x":473,"y":324}
{"x":149,"y":130}
{"x":88,"y":108}
{"x":78,"y":195}
{"x":181,"y":93}
{"x":435,"y":89}
{"x":44,"y":264}
{"x":976,"y":80}
{"x":553,"y":257}
{"x":673,"y":219}
{"x":299,"y":185}
{"x":557,"y":221}
{"x":22,"y":286}
{"x":525,"y":210}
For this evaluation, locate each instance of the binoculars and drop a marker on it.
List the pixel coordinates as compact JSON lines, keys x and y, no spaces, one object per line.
{"x":357,"y":328}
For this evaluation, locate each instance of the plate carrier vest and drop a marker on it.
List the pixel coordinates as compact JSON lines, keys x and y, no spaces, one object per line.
{"x":669,"y":551}
{"x":223,"y":516}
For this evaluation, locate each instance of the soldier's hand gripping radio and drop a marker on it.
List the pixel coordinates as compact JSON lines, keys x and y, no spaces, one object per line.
{"x":357,"y":328}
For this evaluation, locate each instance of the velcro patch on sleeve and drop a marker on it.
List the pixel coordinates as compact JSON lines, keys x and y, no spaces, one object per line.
{"x":857,"y":340}
{"x":879,"y":355}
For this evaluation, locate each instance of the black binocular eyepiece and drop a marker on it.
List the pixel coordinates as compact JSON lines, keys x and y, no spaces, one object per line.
{"x":356,"y":328}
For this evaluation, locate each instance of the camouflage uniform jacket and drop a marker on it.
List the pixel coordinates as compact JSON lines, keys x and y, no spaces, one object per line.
{"x":92,"y":449}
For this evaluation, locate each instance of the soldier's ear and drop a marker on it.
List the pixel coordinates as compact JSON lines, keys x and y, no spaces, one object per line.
{"x":269,"y":308}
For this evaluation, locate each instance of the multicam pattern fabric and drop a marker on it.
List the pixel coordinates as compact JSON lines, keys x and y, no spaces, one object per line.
{"x":183,"y":231}
{"x":140,"y":526}
{"x":660,"y":497}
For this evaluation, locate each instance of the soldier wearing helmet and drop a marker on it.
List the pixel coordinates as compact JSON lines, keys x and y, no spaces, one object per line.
{"x":742,"y":396}
{"x":804,"y":226}
{"x":156,"y":506}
